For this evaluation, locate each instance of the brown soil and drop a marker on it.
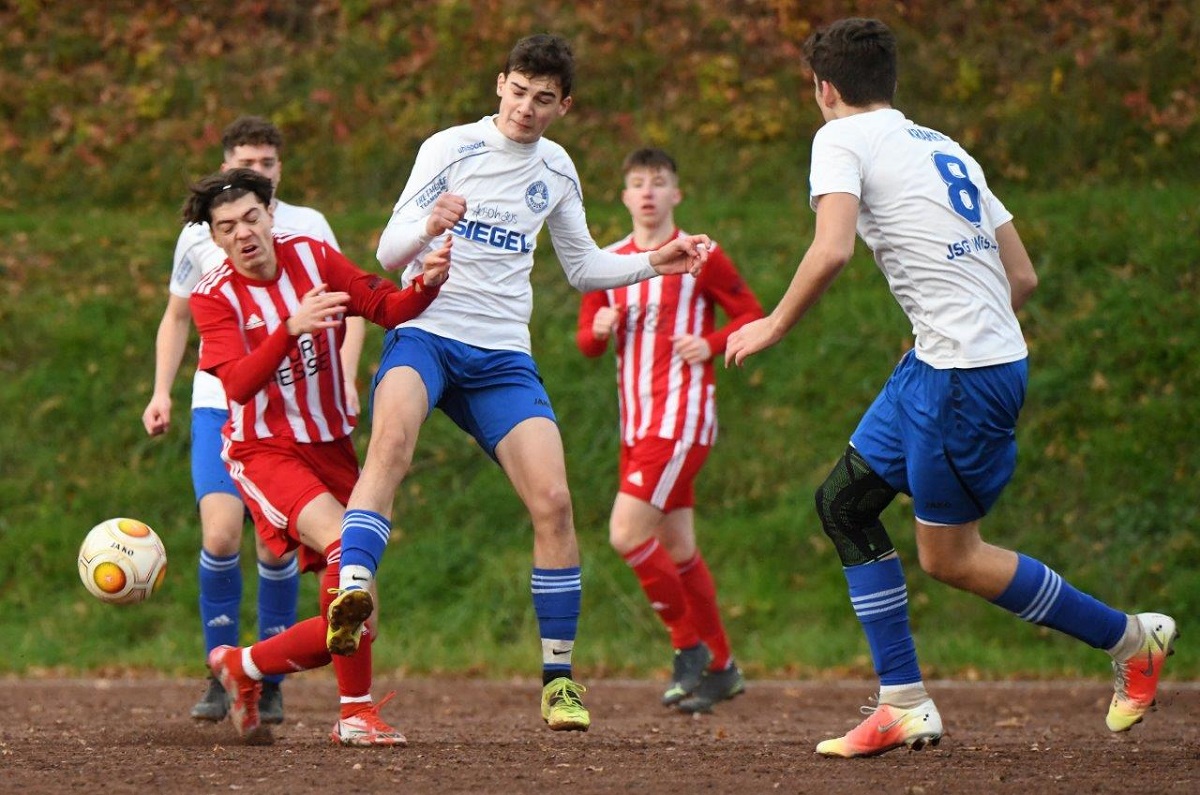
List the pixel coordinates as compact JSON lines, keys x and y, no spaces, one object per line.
{"x":133,"y":736}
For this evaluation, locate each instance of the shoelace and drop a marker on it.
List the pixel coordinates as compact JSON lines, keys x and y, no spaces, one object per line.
{"x":1121,"y":682}
{"x":867,"y":709}
{"x":567,"y":693}
{"x":371,"y":717}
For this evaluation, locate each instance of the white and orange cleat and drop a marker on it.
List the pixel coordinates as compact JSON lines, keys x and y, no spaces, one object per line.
{"x":365,"y":729}
{"x":1137,"y":677}
{"x":243,"y":693}
{"x":885,"y":728}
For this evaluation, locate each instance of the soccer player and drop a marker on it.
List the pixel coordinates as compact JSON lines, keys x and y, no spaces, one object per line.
{"x":491,"y":185}
{"x":249,"y":142}
{"x":942,"y":430}
{"x":665,"y":336}
{"x":271,"y":323}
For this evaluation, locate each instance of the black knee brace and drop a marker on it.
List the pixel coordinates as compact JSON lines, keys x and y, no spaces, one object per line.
{"x":849,"y":503}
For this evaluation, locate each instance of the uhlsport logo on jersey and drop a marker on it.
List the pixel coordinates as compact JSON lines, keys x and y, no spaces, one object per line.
{"x":537,"y":196}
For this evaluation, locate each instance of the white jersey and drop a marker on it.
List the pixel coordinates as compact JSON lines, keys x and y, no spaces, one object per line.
{"x":196,"y":254}
{"x":927,"y":214}
{"x":511,"y":190}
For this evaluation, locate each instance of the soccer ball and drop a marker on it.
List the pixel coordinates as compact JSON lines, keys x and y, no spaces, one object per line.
{"x":122,"y":561}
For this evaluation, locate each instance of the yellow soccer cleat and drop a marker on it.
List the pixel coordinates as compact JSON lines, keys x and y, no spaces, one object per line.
{"x":347,"y":614}
{"x":562,"y":708}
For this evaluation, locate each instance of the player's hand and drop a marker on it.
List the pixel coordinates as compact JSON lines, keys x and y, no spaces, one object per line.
{"x":692,"y":349}
{"x":750,"y":339}
{"x":157,"y":416}
{"x":604,"y":324}
{"x":448,"y":210}
{"x":684,"y":254}
{"x":318,"y":310}
{"x":436,"y":265}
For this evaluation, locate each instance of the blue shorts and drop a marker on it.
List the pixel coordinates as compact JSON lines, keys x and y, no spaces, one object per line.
{"x":487,"y":393}
{"x":947,"y":438}
{"x":209,"y":474}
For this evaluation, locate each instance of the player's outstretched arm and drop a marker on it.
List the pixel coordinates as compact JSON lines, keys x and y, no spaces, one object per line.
{"x":831,"y":249}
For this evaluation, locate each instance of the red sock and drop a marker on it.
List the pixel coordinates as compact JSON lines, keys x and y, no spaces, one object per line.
{"x":300,"y":647}
{"x":353,"y":672}
{"x":701,"y":595}
{"x":660,"y":581}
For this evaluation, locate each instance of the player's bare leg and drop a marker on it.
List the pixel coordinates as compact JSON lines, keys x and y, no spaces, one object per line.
{"x":532,"y":457}
{"x":399,"y":409}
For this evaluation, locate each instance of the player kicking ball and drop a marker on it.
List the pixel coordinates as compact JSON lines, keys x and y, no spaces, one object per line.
{"x":271,"y":322}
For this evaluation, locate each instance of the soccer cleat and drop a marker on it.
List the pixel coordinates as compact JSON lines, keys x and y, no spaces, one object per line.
{"x":1137,"y":677}
{"x":365,"y":729}
{"x":347,"y":613}
{"x":213,"y":705}
{"x":562,"y":708}
{"x":243,"y":693}
{"x":270,"y":703}
{"x":885,"y":728}
{"x":714,"y":686}
{"x":689,"y":668}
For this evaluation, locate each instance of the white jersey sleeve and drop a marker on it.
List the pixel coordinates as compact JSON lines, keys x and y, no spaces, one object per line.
{"x":404,"y":238}
{"x":195,"y":255}
{"x":587,"y":266}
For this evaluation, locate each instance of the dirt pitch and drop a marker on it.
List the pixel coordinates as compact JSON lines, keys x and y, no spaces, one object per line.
{"x":470,"y":736}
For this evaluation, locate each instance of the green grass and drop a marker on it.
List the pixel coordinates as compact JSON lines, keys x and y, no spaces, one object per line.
{"x":1104,"y":491}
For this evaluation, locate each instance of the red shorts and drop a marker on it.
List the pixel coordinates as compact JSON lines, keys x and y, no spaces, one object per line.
{"x":279,"y":477}
{"x":662,"y":471}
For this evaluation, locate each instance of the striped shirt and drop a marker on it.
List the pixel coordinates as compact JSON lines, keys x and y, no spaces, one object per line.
{"x":659,"y":394}
{"x":304,"y":399}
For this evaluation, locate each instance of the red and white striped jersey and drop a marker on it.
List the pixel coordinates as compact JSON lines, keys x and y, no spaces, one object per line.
{"x":660,"y":394}
{"x":302,"y":396}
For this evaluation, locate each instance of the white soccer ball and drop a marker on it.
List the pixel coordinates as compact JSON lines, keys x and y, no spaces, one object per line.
{"x":122,"y":561}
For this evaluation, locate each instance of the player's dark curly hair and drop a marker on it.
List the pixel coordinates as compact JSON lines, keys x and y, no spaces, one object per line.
{"x":858,"y":56}
{"x":251,"y":131}
{"x":222,"y":188}
{"x":543,"y":55}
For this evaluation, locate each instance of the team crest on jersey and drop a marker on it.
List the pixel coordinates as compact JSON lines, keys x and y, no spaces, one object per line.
{"x":537,"y":196}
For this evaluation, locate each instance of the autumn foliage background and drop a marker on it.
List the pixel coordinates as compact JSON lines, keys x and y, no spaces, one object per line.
{"x":123,"y":102}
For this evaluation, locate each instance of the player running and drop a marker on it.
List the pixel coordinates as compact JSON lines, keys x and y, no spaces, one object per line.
{"x":943,"y":428}
{"x":665,"y":336}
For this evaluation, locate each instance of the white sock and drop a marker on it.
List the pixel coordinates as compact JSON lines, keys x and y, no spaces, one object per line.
{"x":1131,"y":641}
{"x":249,"y":667}
{"x":354,"y":578}
{"x":903,"y":696}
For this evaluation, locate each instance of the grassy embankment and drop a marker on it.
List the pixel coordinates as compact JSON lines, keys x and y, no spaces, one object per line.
{"x":1104,"y":492}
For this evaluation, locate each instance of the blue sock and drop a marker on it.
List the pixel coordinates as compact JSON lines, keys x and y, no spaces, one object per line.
{"x":1041,"y":596}
{"x":364,"y":537}
{"x":557,"y":594}
{"x":880,"y":599}
{"x":220,"y":599}
{"x":278,"y":587}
